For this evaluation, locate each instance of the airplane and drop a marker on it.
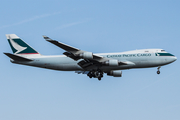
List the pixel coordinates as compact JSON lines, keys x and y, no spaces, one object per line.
{"x":93,"y":65}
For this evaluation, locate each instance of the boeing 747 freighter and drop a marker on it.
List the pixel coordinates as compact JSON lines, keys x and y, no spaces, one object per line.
{"x":80,"y":61}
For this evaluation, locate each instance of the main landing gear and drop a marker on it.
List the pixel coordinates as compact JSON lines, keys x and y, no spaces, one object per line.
{"x":158,"y":72}
{"x":95,"y":74}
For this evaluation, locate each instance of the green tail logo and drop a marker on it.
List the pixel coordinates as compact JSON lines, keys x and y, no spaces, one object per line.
{"x":18,"y":46}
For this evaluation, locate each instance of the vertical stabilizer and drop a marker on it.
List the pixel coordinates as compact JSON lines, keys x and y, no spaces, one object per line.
{"x":18,"y":46}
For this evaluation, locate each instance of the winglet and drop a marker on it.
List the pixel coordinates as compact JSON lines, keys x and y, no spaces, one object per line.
{"x":46,"y":38}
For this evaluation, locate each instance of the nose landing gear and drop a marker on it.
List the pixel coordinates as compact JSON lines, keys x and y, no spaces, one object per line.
{"x":158,"y":72}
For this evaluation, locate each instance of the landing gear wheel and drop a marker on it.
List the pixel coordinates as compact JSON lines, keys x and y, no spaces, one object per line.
{"x":158,"y":72}
{"x":101,"y":75}
{"x":95,"y":74}
{"x":90,"y":75}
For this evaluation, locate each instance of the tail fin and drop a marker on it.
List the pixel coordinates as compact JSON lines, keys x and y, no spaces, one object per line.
{"x":18,"y":46}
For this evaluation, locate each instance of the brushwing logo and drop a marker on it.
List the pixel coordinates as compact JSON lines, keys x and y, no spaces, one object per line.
{"x":16,"y":46}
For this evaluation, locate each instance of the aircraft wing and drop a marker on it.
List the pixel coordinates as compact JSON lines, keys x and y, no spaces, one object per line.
{"x":72,"y":52}
{"x":90,"y":61}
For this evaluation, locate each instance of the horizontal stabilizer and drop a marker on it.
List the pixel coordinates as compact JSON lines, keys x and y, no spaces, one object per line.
{"x":17,"y":58}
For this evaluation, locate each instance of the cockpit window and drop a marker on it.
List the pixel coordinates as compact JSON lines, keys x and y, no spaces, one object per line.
{"x":162,"y":50}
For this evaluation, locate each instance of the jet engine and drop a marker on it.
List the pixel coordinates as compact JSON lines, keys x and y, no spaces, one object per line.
{"x":86,"y":55}
{"x":112,"y":63}
{"x":115,"y":73}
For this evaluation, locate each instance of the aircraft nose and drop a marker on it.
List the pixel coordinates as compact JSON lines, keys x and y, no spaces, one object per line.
{"x":171,"y":59}
{"x":175,"y":58}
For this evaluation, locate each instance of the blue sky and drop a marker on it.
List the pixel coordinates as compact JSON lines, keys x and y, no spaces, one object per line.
{"x":29,"y":93}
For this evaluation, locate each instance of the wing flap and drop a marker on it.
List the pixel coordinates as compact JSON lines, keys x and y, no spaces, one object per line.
{"x":72,"y":56}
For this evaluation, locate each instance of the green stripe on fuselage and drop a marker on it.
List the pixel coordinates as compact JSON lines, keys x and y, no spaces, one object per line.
{"x":164,"y":54}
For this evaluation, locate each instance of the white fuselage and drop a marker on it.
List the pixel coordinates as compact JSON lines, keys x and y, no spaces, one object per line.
{"x":141,"y":59}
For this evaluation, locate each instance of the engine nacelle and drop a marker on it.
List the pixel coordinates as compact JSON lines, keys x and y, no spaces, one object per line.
{"x":112,"y":63}
{"x":115,"y":73}
{"x":86,"y":55}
